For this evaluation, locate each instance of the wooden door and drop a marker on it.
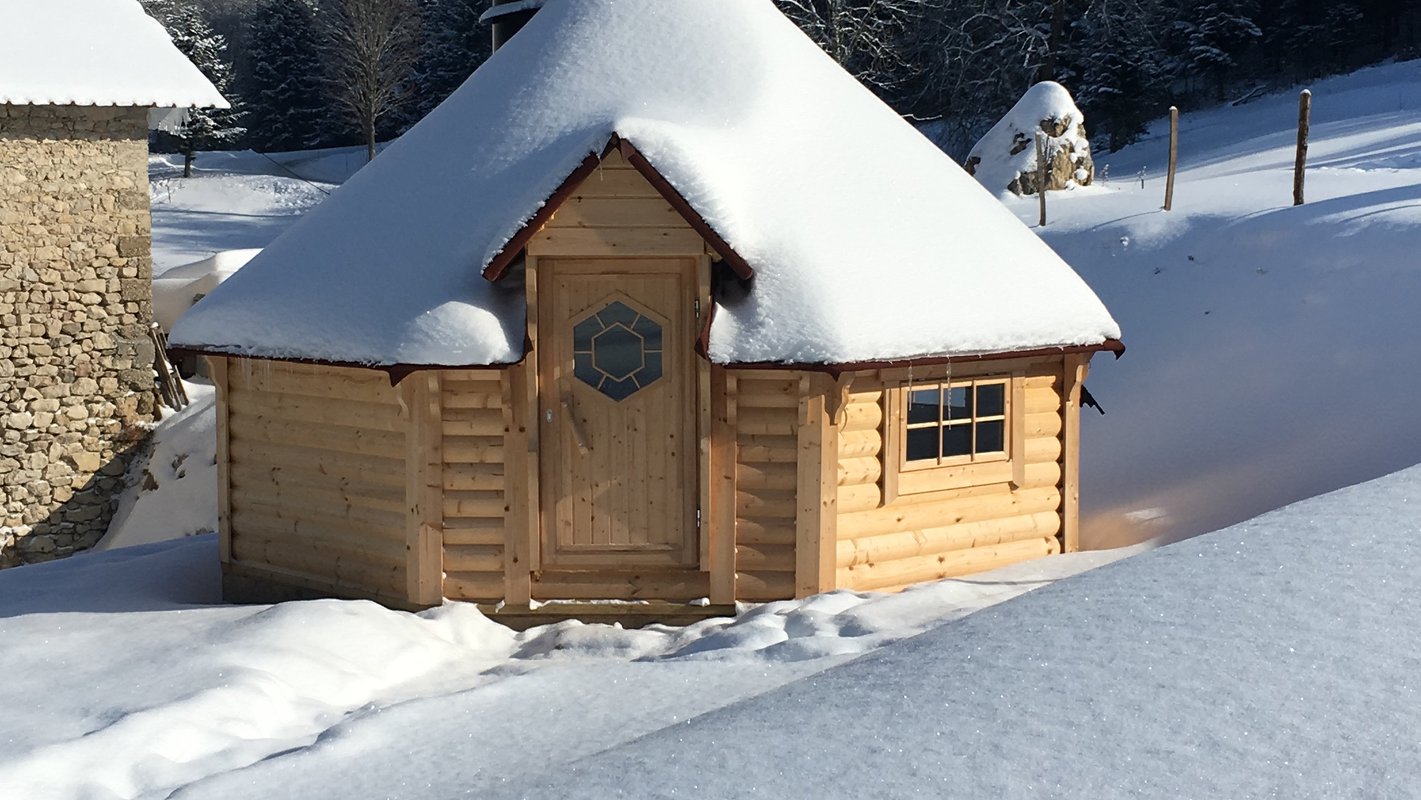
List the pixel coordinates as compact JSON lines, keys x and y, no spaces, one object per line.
{"x":618,"y":415}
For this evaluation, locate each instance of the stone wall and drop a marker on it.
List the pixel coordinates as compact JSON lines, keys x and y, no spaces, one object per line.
{"x":76,"y":381}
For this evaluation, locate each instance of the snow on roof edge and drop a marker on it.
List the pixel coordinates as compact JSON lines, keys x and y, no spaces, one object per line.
{"x":96,"y":53}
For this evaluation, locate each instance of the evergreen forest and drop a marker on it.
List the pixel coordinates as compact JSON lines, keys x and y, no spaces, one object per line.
{"x":316,"y":73}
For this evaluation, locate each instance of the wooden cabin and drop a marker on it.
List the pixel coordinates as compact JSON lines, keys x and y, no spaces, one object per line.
{"x":593,"y":382}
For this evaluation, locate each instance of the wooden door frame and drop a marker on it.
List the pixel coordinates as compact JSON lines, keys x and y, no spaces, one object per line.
{"x":708,"y":527}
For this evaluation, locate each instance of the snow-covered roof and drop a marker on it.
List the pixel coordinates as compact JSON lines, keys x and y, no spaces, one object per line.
{"x":866,"y":241}
{"x":94,"y":53}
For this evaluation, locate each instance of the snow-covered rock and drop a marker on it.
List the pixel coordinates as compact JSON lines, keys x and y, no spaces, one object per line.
{"x":1004,"y":160}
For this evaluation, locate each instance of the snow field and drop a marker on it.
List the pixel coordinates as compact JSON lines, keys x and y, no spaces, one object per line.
{"x":1269,"y":345}
{"x":1276,"y":658}
{"x":183,"y":691}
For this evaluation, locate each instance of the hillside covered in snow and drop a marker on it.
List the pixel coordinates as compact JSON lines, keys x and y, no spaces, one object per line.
{"x":1272,"y":348}
{"x":1271,"y":357}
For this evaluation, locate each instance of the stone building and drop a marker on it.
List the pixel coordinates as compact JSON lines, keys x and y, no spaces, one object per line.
{"x":80,"y":81}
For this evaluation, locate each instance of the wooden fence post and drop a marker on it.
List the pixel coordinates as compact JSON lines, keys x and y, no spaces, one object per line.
{"x":1041,"y":173}
{"x":1304,"y":115}
{"x":1173,"y":157}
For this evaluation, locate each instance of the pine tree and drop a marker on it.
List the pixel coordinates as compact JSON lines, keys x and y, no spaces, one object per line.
{"x":204,"y":128}
{"x":1215,"y":37}
{"x":1117,"y":68}
{"x":288,"y":105}
{"x":454,"y":45}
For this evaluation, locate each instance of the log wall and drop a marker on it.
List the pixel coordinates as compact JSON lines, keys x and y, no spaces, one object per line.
{"x":316,"y":492}
{"x":474,"y":484}
{"x":944,"y":522}
{"x":766,"y":482}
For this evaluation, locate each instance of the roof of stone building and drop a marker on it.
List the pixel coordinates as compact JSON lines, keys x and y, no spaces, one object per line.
{"x":866,"y":242}
{"x":94,"y":53}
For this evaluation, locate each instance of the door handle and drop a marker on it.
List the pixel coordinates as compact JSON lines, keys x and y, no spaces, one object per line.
{"x":573,"y":423}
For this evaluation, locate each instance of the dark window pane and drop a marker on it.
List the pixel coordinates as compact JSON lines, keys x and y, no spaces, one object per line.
{"x":957,"y":440}
{"x":991,"y":400}
{"x":959,"y":403}
{"x":991,"y":437}
{"x":922,"y":406}
{"x":617,"y":312}
{"x":617,"y":352}
{"x":922,"y":444}
{"x":649,"y":331}
{"x":583,"y":332}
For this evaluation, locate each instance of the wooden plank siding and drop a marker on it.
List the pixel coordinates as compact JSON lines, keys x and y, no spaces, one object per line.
{"x":897,"y":527}
{"x":317,"y":479}
{"x":616,"y":212}
{"x":474,"y":482}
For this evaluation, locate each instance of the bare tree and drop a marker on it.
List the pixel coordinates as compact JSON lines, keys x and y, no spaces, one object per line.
{"x":370,"y":49}
{"x":869,"y":38}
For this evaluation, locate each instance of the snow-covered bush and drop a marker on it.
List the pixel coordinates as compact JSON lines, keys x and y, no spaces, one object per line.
{"x":1004,"y":160}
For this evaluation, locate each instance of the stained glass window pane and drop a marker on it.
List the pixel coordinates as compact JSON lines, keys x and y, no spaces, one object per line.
{"x":619,"y":390}
{"x":617,"y":312}
{"x":652,"y":370}
{"x":617,"y":352}
{"x":582,"y":334}
{"x":585,"y":370}
{"x":649,"y":331}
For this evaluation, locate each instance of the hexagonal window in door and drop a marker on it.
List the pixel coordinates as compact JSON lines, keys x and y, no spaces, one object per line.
{"x":617,"y":350}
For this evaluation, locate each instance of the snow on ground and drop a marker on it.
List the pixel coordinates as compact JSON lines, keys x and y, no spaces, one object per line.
{"x":1276,"y":658}
{"x":1272,"y":348}
{"x":178,"y":288}
{"x":172,"y":492}
{"x":1270,"y":357}
{"x":165,"y":693}
{"x":237,"y":200}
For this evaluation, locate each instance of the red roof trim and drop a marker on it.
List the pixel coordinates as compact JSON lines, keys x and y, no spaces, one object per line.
{"x":501,"y":262}
{"x":692,"y":217}
{"x":399,"y":372}
{"x":1111,"y":345}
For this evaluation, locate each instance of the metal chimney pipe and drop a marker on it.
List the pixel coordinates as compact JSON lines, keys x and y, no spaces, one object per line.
{"x":508,"y":17}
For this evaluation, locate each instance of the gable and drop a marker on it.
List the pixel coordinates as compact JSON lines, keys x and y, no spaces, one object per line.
{"x":615,"y":210}
{"x":617,"y":191}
